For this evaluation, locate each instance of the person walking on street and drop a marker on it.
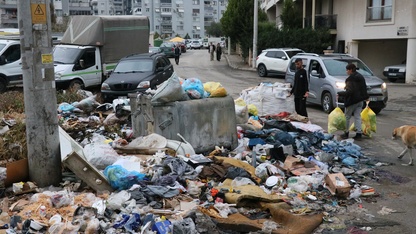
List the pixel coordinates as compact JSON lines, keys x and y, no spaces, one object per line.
{"x":211,"y":50}
{"x":218,"y":51}
{"x":300,"y":88}
{"x":354,"y":95}
{"x":177,"y":53}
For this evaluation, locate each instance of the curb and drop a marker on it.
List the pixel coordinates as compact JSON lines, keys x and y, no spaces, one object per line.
{"x":230,"y":64}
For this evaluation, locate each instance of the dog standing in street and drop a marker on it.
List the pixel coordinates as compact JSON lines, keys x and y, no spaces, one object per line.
{"x":408,"y":135}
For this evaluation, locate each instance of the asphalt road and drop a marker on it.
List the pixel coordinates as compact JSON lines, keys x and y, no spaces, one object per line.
{"x":396,"y":186}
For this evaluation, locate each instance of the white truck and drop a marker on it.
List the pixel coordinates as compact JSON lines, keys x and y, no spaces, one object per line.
{"x":10,"y":61}
{"x":92,"y":45}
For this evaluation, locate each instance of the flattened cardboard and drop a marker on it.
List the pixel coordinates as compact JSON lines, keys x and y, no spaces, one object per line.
{"x":16,"y":172}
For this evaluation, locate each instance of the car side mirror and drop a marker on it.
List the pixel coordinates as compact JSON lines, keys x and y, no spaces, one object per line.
{"x":284,"y":57}
{"x":314,"y":73}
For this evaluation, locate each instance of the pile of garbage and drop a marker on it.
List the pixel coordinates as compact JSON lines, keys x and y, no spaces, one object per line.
{"x":286,"y":175}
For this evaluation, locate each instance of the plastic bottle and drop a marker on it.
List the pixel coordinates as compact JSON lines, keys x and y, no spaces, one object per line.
{"x":42,"y":211}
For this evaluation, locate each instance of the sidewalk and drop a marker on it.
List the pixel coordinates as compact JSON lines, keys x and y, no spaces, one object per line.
{"x":236,"y":62}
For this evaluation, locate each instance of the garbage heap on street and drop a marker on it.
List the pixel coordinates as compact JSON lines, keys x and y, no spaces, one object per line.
{"x":268,"y":170}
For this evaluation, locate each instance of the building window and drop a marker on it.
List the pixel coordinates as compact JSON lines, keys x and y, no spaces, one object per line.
{"x":147,"y":9}
{"x":379,"y":10}
{"x":179,"y":27}
{"x":166,"y":9}
{"x":196,"y":36}
{"x":195,"y":2}
{"x":195,"y":12}
{"x":157,"y":27}
{"x":195,"y":19}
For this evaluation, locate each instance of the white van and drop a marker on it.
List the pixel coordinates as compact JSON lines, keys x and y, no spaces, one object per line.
{"x":10,"y":64}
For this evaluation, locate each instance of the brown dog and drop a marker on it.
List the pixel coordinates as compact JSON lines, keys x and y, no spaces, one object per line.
{"x":408,"y":135}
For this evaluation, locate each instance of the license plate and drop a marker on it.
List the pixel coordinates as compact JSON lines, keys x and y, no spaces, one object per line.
{"x":373,"y":98}
{"x":392,"y":74}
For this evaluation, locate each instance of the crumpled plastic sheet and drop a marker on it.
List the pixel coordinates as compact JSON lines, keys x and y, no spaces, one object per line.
{"x":155,"y":190}
{"x":180,"y":168}
{"x":234,"y":172}
{"x":185,"y":226}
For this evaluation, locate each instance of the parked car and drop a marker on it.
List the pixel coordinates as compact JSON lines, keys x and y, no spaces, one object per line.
{"x":168,"y":48}
{"x":395,"y":72}
{"x":196,"y":44}
{"x":137,"y":73}
{"x":327,"y":75}
{"x":275,"y":60}
{"x":154,"y":49}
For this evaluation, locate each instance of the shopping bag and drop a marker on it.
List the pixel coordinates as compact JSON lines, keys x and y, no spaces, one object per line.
{"x":368,"y":122}
{"x":336,"y":120}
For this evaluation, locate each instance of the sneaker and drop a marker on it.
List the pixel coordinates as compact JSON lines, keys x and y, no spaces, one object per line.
{"x":345,"y":135}
{"x":357,"y":136}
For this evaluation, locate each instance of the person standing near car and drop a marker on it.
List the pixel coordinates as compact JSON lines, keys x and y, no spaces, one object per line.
{"x":300,"y":88}
{"x":177,"y":53}
{"x":211,"y":50}
{"x":354,"y":95}
{"x":218,"y":51}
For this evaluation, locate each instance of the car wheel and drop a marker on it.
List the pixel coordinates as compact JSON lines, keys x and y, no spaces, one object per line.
{"x":327,"y":104}
{"x":392,"y":79}
{"x":76,"y":85}
{"x":261,"y":70}
{"x":3,"y":85}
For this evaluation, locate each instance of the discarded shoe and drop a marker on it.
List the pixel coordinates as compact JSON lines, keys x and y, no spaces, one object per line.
{"x":357,"y":136}
{"x":345,"y":135}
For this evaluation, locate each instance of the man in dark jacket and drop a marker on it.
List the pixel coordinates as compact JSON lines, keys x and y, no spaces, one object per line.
{"x":177,"y":53}
{"x":354,"y":95}
{"x":300,"y":88}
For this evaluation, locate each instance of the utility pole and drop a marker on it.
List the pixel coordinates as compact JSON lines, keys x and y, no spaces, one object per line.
{"x":42,"y":133}
{"x":255,"y":30}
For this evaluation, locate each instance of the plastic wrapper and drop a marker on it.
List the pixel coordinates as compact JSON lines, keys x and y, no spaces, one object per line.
{"x":252,"y":110}
{"x":116,"y":200}
{"x":194,"y":88}
{"x":336,"y":120}
{"x":120,"y":178}
{"x":215,"y":89}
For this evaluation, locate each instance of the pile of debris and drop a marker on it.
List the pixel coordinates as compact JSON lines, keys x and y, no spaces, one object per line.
{"x":285,"y":175}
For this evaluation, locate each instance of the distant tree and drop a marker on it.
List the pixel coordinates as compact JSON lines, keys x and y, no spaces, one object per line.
{"x":291,"y":16}
{"x":187,"y":36}
{"x":215,"y":29}
{"x":156,"y":35}
{"x":177,"y":35}
{"x":237,"y":23}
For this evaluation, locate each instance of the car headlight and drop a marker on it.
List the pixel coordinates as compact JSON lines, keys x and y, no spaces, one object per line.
{"x":386,"y":69}
{"x":144,"y":85}
{"x":402,"y":69}
{"x":384,"y":87}
{"x":340,"y":85}
{"x":105,"y":86}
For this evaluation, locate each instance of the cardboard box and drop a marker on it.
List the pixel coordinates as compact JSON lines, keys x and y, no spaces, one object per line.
{"x":338,"y":185}
{"x":17,"y":171}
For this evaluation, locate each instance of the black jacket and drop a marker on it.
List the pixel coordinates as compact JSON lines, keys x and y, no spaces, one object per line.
{"x":300,"y":84}
{"x":355,"y":89}
{"x":177,"y":51}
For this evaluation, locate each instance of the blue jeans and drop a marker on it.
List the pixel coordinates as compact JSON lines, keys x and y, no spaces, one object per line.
{"x":356,"y":110}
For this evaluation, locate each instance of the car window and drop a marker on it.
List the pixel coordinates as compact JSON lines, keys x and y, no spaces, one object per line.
{"x":292,"y":66}
{"x":162,"y":61}
{"x":139,"y":65}
{"x":279,"y":54}
{"x":316,"y":66}
{"x":167,"y":61}
{"x":270,"y":54}
{"x":336,"y":67}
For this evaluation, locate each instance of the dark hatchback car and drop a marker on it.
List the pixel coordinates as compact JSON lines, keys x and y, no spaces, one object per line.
{"x":137,"y":73}
{"x":168,"y":48}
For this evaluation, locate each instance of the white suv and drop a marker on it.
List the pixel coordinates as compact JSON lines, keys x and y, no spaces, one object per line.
{"x":275,"y":60}
{"x":196,"y":44}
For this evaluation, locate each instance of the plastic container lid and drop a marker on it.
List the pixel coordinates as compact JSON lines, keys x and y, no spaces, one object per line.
{"x":272,"y":181}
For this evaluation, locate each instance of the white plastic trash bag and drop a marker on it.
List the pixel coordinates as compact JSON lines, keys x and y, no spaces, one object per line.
{"x":170,"y":91}
{"x":269,"y":98}
{"x":100,"y":155}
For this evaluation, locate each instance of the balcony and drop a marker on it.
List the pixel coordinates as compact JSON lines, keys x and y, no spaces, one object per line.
{"x":8,"y":4}
{"x":166,"y":30}
{"x":8,"y":19}
{"x":166,"y":22}
{"x":322,"y":21}
{"x":166,"y":13}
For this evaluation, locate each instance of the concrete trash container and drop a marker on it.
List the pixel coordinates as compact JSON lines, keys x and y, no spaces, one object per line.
{"x":204,"y":123}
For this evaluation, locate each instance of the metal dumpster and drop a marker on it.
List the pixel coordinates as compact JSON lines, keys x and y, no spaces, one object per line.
{"x":204,"y":123}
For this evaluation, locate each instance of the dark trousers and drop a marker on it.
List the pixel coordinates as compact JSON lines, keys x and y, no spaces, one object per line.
{"x":300,"y":106}
{"x":177,"y":60}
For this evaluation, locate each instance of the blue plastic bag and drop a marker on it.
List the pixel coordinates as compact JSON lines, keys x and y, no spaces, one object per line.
{"x":194,"y":88}
{"x":121,"y":178}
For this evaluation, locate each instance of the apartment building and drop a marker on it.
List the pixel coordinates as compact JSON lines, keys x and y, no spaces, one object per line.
{"x":180,"y":17}
{"x":380,"y":32}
